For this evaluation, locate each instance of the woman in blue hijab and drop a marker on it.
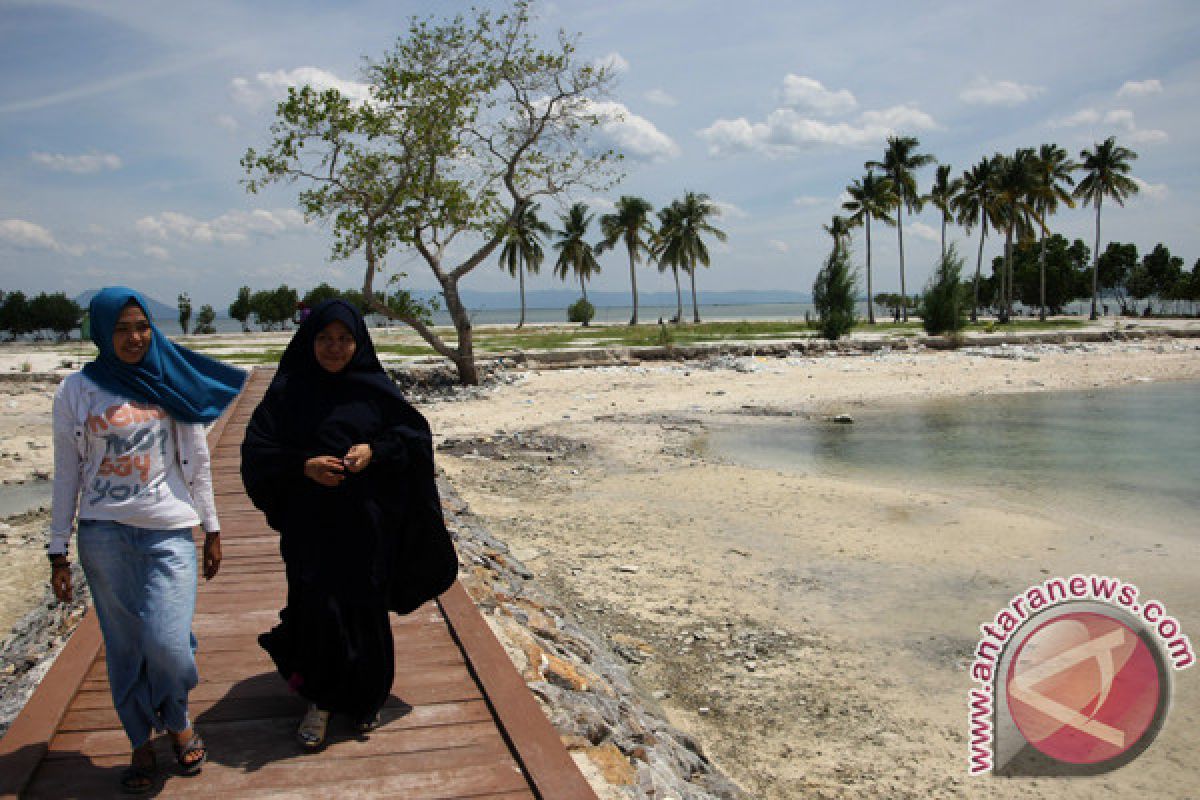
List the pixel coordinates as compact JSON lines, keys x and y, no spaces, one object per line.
{"x":132,"y":465}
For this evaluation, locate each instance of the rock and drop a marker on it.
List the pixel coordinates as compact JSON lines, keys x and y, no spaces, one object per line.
{"x":843,"y":419}
{"x":630,"y":568}
{"x":612,"y":763}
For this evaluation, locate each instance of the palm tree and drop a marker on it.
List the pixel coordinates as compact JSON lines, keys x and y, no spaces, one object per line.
{"x":839,"y":228}
{"x":629,"y":222}
{"x":900,"y":161}
{"x":575,"y":255}
{"x":1106,"y":169}
{"x":1052,"y":170}
{"x":976,"y":204}
{"x":942,"y":195}
{"x":1015,"y":182}
{"x":870,"y":198}
{"x":667,"y":249}
{"x":523,"y":249}
{"x":694,"y":211}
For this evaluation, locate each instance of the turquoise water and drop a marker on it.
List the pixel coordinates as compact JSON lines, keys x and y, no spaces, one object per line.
{"x":1133,"y":452}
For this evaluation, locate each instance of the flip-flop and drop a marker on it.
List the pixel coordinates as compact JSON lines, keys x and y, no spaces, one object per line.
{"x":311,"y":732}
{"x":370,"y":723}
{"x":194,"y":745}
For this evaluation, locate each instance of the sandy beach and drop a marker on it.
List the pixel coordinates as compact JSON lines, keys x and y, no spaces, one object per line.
{"x":812,"y":632}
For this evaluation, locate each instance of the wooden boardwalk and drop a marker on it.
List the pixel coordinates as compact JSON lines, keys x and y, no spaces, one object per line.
{"x":460,"y":722}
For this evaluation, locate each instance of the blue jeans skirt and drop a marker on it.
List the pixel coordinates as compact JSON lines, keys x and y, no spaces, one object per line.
{"x":143,"y":585}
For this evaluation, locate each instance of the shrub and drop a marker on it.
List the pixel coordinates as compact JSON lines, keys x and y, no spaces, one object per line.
{"x":581,"y":311}
{"x":833,"y":295}
{"x":944,"y":305}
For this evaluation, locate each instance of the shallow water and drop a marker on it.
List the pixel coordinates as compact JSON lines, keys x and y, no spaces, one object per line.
{"x":20,"y":498}
{"x":1132,"y":454}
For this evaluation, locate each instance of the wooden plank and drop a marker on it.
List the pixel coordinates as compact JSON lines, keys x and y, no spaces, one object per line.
{"x":551,"y":770}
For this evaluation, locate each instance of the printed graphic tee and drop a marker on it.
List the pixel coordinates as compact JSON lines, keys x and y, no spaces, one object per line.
{"x":132,"y":474}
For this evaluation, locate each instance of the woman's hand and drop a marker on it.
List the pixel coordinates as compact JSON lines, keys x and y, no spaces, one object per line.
{"x":212,"y":554}
{"x":60,"y":579}
{"x":357,"y":458}
{"x":325,"y":470}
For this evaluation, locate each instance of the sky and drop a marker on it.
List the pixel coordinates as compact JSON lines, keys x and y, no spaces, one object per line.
{"x":122,"y":124}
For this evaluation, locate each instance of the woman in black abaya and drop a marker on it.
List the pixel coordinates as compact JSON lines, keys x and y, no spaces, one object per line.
{"x":342,"y":466}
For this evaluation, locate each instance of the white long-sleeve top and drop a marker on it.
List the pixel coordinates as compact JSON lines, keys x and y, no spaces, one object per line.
{"x":117,"y":459}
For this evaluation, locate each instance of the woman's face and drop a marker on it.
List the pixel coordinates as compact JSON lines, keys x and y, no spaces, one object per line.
{"x":132,"y":335}
{"x":334,"y":346}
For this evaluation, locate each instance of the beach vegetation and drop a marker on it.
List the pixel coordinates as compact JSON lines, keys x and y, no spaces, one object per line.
{"x":665,"y":249}
{"x":1014,"y":184}
{"x":184,"y":304}
{"x":870,"y":198}
{"x":468,"y":122}
{"x":839,"y":230}
{"x":900,"y":163}
{"x":204,"y":320}
{"x":975,"y":206}
{"x":320,"y":293}
{"x":1106,"y":170}
{"x":522,"y":251}
{"x":695,"y":209}
{"x":575,"y":256}
{"x":581,"y":311}
{"x":835,"y":296}
{"x":630,"y":222}
{"x":1052,"y":177}
{"x":942,"y":195}
{"x":1050,"y":270}
{"x":240,"y":309}
{"x":944,"y":304}
{"x":55,"y":312}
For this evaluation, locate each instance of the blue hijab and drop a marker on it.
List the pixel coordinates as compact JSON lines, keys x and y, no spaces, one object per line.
{"x":188,"y":386}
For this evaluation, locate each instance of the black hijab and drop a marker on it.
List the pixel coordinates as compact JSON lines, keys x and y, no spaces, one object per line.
{"x":309,"y":411}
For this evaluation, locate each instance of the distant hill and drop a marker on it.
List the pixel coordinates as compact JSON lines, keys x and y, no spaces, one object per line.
{"x":163,"y":314}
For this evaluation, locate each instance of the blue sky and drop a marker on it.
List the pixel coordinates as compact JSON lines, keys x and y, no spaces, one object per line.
{"x":122,"y":123}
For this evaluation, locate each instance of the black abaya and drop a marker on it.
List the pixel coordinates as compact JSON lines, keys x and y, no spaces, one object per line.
{"x":375,"y":542}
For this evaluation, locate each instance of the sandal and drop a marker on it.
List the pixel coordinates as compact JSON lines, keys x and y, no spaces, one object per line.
{"x":311,"y":732}
{"x":138,"y":778}
{"x":190,"y":766}
{"x":369,"y":723}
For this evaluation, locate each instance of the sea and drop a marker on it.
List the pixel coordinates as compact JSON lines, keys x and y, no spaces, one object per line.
{"x":1130,"y":454}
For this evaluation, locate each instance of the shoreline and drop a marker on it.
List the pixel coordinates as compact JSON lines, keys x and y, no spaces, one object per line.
{"x":764,"y":612}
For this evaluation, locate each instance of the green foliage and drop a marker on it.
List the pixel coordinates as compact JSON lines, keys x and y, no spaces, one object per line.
{"x":575,"y":255}
{"x":55,"y":311}
{"x":185,"y":311}
{"x":320,"y":293}
{"x":273,"y":307}
{"x":945,"y":303}
{"x":204,"y":320}
{"x":240,"y":309}
{"x":581,"y":311}
{"x":834,"y":293}
{"x":1067,"y":272}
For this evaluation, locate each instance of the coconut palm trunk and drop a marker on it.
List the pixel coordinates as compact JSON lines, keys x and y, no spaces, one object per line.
{"x":979,"y":265}
{"x":1004,"y":276}
{"x":695,"y":305}
{"x":943,"y":237}
{"x":521,"y":279}
{"x":900,"y":239}
{"x":870,"y":290}
{"x":678,"y":296}
{"x":1096,"y":261}
{"x":633,"y":281}
{"x":1042,"y":265}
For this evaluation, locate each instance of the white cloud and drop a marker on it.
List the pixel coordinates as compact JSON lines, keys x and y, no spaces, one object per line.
{"x":156,"y":252}
{"x":25,"y":235}
{"x":1121,"y":117}
{"x":778,"y":246}
{"x":1084,"y":116}
{"x":232,"y":227}
{"x":729,"y":210}
{"x":807,"y":201}
{"x":227,"y":122}
{"x":614,"y":62}
{"x":923,"y":231}
{"x":81,"y":164}
{"x":809,"y":94}
{"x":786,"y":132}
{"x":1139,"y":88}
{"x":1124,"y":119}
{"x":660,"y":98}
{"x":1152,"y":191}
{"x":1148,"y":136}
{"x":986,"y":92}
{"x":635,"y":136}
{"x":269,"y":86}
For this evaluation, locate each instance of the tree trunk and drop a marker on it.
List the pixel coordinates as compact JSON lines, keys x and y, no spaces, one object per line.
{"x":583,"y":288}
{"x":1096,"y":261}
{"x":900,"y":239}
{"x":979,"y":265}
{"x":1042,"y":258}
{"x":943,"y":237}
{"x":521,"y":274}
{"x":464,"y":356}
{"x":678,"y":297}
{"x":633,"y":283}
{"x":695,"y":305}
{"x":870,"y":290}
{"x":1004,"y":315}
